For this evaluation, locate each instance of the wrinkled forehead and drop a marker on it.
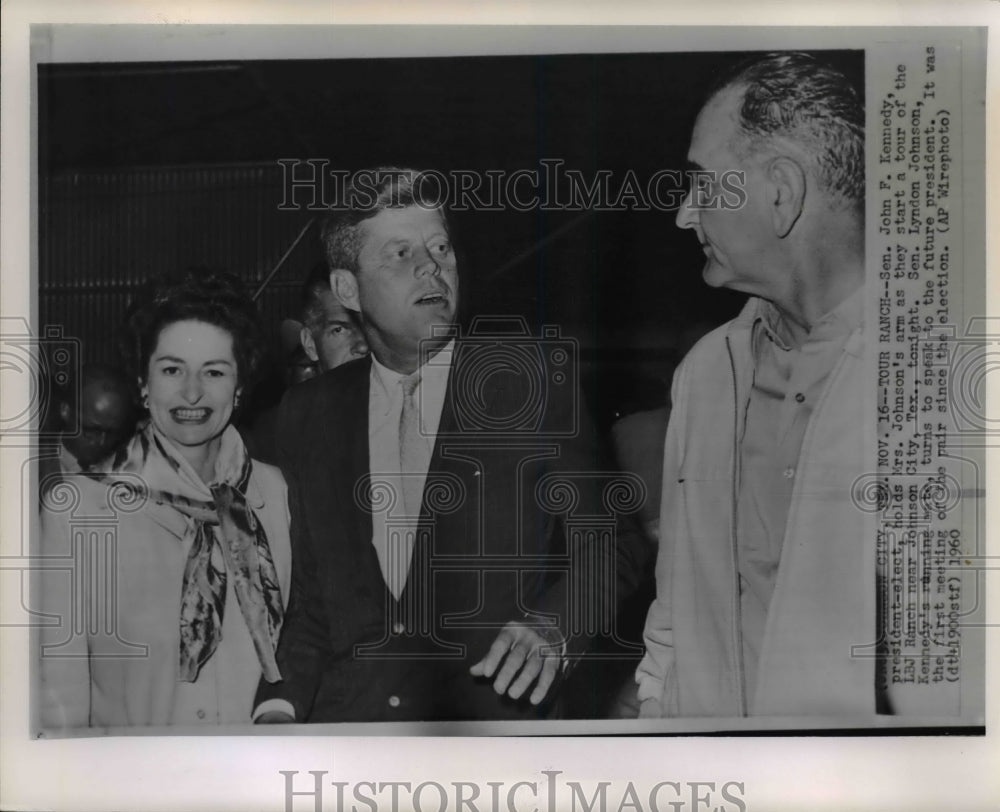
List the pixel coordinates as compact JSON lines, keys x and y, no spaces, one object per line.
{"x":401,"y":220}
{"x":333,"y":310}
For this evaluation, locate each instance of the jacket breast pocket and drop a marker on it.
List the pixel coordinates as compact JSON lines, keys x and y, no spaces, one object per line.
{"x":702,"y":471}
{"x":698,"y":502}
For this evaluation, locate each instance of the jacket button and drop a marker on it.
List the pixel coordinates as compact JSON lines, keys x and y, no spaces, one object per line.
{"x":201,"y":714}
{"x":799,"y":397}
{"x":788,"y":473}
{"x":393,"y":701}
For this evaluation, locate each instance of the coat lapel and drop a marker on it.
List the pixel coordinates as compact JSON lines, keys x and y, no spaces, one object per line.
{"x":454,"y":449}
{"x":345,"y":450}
{"x":450,"y":426}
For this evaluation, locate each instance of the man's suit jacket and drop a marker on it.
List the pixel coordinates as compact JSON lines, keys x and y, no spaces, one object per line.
{"x":492,"y":546}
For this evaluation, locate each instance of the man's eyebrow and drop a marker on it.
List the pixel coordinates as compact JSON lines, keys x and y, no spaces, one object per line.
{"x":392,"y":242}
{"x":175,"y":360}
{"x":693,"y":166}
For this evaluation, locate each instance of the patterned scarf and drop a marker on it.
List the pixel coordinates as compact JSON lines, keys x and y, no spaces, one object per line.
{"x":242,"y":551}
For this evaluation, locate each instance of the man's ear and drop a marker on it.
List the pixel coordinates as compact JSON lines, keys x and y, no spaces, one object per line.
{"x":788,"y":193}
{"x":306,"y":339}
{"x":344,"y":285}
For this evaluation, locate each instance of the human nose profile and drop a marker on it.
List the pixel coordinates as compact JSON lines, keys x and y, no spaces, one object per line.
{"x":426,"y":263}
{"x":687,"y":216}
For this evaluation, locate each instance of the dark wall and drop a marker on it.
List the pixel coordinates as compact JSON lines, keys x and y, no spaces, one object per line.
{"x":103,"y":232}
{"x":208,"y":136}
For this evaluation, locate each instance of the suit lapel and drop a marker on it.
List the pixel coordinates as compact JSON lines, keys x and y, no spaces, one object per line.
{"x":343,"y":452}
{"x":456,"y":442}
{"x":450,"y":426}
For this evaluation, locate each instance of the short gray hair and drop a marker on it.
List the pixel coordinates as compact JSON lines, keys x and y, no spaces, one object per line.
{"x":795,"y":96}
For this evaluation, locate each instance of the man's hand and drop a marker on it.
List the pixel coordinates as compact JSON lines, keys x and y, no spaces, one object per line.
{"x":526,"y":655}
{"x":274,"y":718}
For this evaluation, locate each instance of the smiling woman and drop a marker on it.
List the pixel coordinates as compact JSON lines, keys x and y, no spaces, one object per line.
{"x":195,"y":574}
{"x":191,"y":388}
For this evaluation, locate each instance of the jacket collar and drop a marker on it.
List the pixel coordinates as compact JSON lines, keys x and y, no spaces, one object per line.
{"x":340,"y":409}
{"x":739,"y":334}
{"x":254,"y":494}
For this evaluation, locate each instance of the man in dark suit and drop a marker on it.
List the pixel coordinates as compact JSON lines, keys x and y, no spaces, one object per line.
{"x":441,"y":570}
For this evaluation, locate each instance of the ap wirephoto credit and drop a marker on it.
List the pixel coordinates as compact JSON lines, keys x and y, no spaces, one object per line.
{"x":610,"y":383}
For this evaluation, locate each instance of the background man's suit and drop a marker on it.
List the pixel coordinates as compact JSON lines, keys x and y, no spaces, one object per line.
{"x":339,"y":597}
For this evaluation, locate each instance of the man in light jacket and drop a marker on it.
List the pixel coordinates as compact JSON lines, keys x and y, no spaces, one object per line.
{"x":766,"y":572}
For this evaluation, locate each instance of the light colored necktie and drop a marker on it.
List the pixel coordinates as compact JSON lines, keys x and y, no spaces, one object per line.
{"x":414,"y":460}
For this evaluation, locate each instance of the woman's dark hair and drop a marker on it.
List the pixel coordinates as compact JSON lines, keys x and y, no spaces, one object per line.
{"x":195,"y":294}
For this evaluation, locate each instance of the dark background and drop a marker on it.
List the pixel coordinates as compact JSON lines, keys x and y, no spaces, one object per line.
{"x":145,"y":166}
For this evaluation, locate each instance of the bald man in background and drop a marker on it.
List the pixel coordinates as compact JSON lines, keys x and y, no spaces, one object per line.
{"x":92,"y":425}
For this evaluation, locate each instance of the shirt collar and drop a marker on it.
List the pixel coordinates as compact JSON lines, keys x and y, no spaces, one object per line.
{"x":842,"y":320}
{"x":771,"y":323}
{"x":849,"y":315}
{"x":434,"y":371}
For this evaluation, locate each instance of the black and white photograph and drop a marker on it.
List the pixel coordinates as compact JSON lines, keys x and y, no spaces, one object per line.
{"x":414,"y":386}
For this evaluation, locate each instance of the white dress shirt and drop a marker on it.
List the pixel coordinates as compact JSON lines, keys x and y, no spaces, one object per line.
{"x":385,"y":406}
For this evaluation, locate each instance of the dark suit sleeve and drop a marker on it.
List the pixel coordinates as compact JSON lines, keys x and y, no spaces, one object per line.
{"x":305,"y":639}
{"x":602,"y":576}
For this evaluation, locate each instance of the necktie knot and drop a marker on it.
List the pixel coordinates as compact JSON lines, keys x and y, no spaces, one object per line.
{"x":410,"y":384}
{"x":410,"y":439}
